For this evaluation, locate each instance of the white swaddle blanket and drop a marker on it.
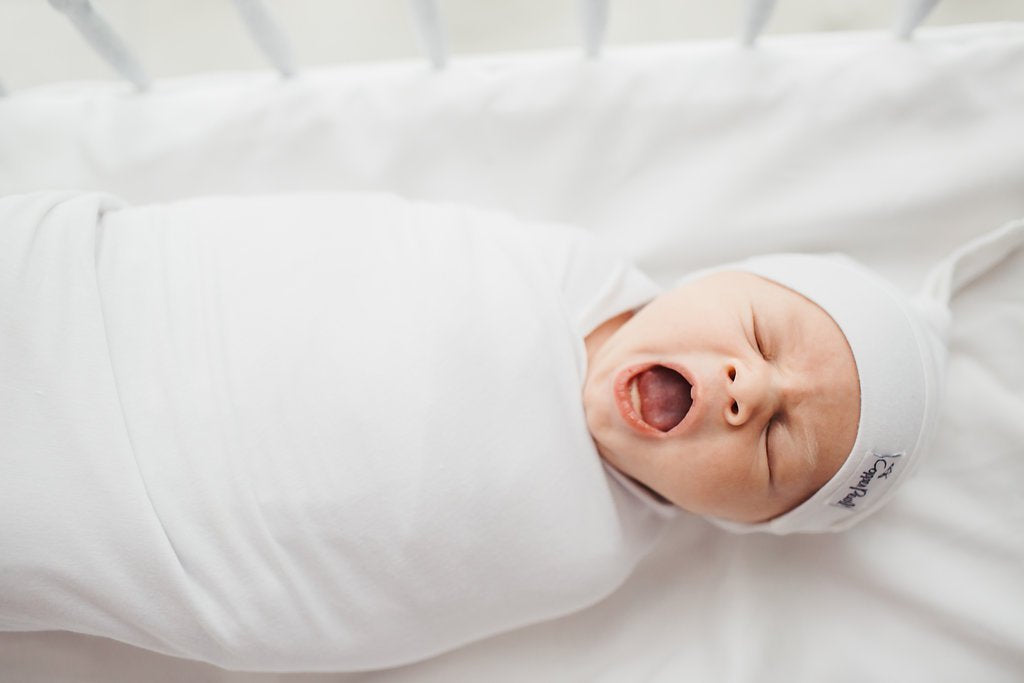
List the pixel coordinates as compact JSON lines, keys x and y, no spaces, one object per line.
{"x":308,"y":432}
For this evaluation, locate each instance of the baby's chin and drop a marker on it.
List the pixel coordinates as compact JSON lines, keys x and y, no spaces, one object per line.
{"x":654,"y":494}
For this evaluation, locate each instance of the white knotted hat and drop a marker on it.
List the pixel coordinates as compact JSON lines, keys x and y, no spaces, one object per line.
{"x":899,"y":346}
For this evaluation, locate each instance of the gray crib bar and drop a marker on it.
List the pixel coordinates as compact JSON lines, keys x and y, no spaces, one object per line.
{"x":268,"y":35}
{"x":428,"y":26}
{"x":102,"y":37}
{"x":912,"y":13}
{"x":756,"y":18}
{"x":593,"y":20}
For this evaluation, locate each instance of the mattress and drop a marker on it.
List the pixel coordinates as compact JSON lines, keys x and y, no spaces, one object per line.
{"x":681,"y":156}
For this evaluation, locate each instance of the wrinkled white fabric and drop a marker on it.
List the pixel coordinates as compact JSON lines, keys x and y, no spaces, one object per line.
{"x":312,"y":432}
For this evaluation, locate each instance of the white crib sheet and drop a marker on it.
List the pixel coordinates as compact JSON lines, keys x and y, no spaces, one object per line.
{"x":683,"y":156}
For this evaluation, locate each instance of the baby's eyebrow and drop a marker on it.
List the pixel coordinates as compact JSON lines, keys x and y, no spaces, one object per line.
{"x":805,"y":424}
{"x":791,"y":342}
{"x":809,"y":427}
{"x":803,"y":435}
{"x":810,"y":442}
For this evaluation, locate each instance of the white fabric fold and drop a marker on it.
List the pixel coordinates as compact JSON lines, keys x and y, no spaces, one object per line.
{"x":302,"y":433}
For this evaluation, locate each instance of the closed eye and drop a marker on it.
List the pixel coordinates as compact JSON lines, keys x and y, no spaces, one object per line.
{"x":757,"y":335}
{"x":767,"y":452}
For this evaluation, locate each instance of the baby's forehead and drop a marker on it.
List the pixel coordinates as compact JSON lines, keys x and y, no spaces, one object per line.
{"x":786,"y":317}
{"x":743,"y":286}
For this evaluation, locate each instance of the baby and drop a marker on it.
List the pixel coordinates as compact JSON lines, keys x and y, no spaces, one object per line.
{"x":335,"y":432}
{"x":764,"y":396}
{"x":731,"y":396}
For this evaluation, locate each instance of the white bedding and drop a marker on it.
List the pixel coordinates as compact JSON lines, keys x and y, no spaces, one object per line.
{"x":305,"y":432}
{"x":682,"y":156}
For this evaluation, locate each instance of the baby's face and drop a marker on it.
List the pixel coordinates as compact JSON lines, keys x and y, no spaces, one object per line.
{"x":763,"y":379}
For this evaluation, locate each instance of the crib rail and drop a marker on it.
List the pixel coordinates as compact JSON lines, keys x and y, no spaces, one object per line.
{"x":101,"y":36}
{"x":268,"y":35}
{"x":273,"y":42}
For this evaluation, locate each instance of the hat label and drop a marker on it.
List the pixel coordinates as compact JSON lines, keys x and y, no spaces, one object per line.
{"x":875,"y":468}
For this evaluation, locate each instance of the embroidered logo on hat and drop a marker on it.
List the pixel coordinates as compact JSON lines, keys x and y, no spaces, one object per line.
{"x":858,"y":486}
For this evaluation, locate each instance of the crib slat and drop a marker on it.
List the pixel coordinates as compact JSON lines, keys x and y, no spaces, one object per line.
{"x":912,"y":13}
{"x":268,"y":34}
{"x":594,"y":20}
{"x":103,"y":39}
{"x":428,"y":25}
{"x":755,"y":19}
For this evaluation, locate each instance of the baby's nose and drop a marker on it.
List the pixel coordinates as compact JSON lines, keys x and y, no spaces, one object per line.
{"x":748,"y":392}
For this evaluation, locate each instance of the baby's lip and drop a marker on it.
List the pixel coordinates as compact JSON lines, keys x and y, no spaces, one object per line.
{"x":624,"y":402}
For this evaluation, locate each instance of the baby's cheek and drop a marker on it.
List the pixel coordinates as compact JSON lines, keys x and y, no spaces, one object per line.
{"x":711,"y":475}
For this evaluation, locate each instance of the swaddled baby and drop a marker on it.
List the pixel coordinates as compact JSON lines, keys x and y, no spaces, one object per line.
{"x":347,"y":431}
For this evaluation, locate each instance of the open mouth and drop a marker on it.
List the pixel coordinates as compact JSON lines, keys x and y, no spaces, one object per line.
{"x":661,"y":397}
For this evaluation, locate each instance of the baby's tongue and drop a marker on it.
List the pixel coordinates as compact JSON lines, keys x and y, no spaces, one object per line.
{"x":664,"y":397}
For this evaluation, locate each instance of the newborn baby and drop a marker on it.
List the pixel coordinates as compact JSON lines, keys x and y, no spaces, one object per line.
{"x":335,"y":432}
{"x":731,"y":396}
{"x":784,"y":393}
